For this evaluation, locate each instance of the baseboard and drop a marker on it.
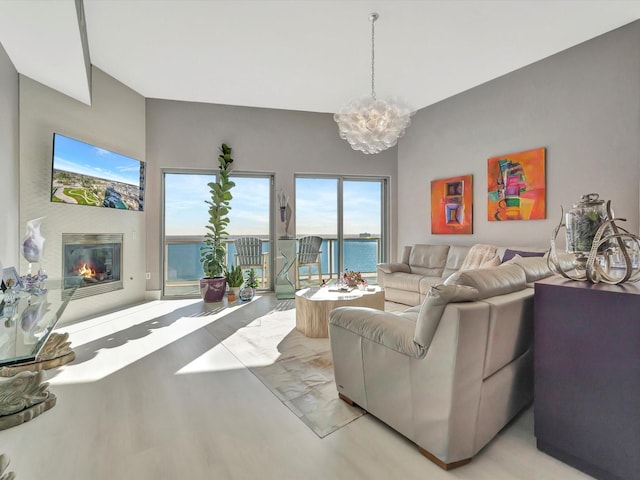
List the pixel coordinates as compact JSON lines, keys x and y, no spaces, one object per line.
{"x":150,"y":295}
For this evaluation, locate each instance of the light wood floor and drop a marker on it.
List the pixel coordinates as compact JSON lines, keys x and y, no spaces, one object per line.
{"x":153,"y":395}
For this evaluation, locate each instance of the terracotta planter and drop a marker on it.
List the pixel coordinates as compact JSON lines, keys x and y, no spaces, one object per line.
{"x":231,"y":295}
{"x":213,"y":289}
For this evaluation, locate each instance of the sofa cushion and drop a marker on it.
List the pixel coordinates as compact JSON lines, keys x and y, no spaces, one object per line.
{"x":403,"y":281}
{"x":509,"y":254}
{"x":455,"y":259}
{"x":433,"y":307}
{"x":427,"y":282}
{"x":388,"y":329}
{"x":428,"y":260}
{"x":494,"y":281}
{"x":452,"y":279}
{"x":535,"y":268}
{"x":394,"y":267}
{"x":481,"y":256}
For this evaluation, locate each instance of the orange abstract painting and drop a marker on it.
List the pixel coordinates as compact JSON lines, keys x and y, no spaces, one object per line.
{"x":516,"y":186}
{"x":452,"y":205}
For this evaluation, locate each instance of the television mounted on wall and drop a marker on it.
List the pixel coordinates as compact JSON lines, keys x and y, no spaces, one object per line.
{"x":84,"y":174}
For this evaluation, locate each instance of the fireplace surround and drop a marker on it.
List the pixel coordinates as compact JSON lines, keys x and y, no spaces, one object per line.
{"x":93,"y":262}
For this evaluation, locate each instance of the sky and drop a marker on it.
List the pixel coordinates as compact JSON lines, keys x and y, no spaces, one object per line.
{"x":316,"y":206}
{"x":186,"y":212}
{"x":79,"y":157}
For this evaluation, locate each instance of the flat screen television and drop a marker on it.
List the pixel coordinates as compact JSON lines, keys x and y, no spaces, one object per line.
{"x":84,"y":174}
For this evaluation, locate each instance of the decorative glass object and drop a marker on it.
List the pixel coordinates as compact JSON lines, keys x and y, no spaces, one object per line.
{"x":246,"y":294}
{"x":33,"y":242}
{"x":582,"y":222}
{"x":32,"y":249}
{"x":368,"y":124}
{"x":604,"y":251}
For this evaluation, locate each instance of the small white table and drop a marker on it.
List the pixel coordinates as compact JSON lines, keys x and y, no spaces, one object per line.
{"x":314,"y":304}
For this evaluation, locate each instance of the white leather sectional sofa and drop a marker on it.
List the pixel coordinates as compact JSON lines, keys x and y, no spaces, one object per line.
{"x":422,"y":266}
{"x":448,"y":374}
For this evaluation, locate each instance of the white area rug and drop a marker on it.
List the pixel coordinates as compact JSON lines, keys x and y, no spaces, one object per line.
{"x":297,"y":369}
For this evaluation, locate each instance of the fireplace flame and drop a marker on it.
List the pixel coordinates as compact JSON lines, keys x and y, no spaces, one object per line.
{"x":86,"y":271}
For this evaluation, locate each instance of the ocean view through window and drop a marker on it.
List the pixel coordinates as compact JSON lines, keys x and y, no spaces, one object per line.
{"x":348,"y":214}
{"x":355,"y":243}
{"x":186,"y":217}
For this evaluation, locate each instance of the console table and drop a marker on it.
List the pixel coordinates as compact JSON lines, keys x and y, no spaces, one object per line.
{"x":587,"y":376}
{"x":27,"y":347}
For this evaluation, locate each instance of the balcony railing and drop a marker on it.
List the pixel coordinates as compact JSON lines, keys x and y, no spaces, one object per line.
{"x":183,"y":269}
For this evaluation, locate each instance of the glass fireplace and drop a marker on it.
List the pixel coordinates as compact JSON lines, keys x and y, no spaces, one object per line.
{"x":93,"y":262}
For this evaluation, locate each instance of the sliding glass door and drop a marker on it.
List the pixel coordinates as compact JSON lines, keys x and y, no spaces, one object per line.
{"x":362,"y":222}
{"x":349,"y":213}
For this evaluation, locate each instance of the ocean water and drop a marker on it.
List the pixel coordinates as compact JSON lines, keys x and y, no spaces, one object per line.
{"x":360,"y":255}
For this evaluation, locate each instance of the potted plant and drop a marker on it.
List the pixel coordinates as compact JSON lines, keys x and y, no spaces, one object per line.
{"x":234,"y":280}
{"x":213,"y":254}
{"x":249,"y":290}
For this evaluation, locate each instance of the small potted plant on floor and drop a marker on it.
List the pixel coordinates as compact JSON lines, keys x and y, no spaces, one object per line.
{"x":234,"y":280}
{"x":213,"y":254}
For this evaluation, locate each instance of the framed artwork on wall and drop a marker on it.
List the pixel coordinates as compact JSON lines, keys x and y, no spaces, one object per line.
{"x":516,"y":186}
{"x":452,"y":205}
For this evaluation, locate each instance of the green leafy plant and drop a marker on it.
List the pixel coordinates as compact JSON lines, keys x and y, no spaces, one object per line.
{"x":251,"y":279}
{"x":234,"y":277}
{"x":213,"y":254}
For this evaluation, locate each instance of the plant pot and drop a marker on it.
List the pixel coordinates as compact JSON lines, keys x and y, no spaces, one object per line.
{"x":213,"y":289}
{"x":231,"y":295}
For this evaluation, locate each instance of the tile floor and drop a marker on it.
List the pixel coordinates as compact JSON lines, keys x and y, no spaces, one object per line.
{"x":154,"y":395}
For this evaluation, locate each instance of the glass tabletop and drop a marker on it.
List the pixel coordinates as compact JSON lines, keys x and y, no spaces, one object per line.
{"x":27,"y":318}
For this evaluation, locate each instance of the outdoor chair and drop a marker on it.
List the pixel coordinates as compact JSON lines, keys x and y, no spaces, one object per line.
{"x":249,"y":255}
{"x":309,"y":256}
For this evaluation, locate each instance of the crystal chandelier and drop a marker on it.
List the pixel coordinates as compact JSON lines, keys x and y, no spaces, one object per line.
{"x":368,"y":124}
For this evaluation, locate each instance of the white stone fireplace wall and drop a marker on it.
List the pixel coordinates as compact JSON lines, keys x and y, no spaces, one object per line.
{"x":115,"y":121}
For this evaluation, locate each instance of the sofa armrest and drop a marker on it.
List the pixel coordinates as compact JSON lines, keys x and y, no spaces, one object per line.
{"x":394,"y":267}
{"x":387,"y":329}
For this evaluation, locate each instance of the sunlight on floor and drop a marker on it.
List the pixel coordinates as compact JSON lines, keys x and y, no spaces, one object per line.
{"x":217,"y":359}
{"x":156,"y":325}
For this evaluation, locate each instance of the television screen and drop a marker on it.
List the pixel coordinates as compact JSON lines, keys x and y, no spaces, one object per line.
{"x":84,"y":174}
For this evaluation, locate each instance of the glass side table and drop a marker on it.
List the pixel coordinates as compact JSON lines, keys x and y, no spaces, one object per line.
{"x":28,"y":347}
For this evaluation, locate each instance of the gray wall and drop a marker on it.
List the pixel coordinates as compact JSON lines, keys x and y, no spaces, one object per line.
{"x":9,"y":160}
{"x":582,"y":104}
{"x":115,"y":121}
{"x":187,"y":135}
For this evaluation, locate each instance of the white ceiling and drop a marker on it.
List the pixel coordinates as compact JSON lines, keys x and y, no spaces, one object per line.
{"x":310,"y":55}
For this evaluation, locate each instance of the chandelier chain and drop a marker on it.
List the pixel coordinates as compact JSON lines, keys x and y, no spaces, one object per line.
{"x":373,"y":17}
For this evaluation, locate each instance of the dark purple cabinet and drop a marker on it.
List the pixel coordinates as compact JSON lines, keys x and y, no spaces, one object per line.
{"x":587,"y":376}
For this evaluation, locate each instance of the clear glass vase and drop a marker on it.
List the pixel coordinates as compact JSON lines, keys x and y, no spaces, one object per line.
{"x":582,"y":222}
{"x":246,"y":294}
